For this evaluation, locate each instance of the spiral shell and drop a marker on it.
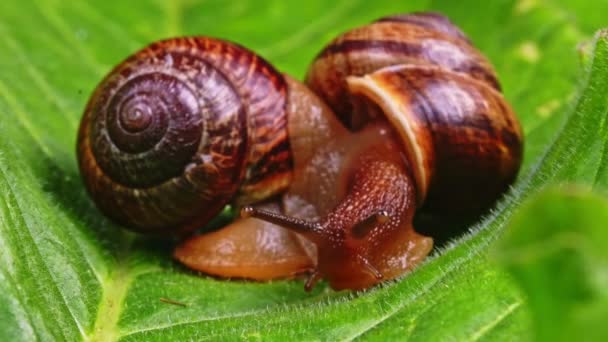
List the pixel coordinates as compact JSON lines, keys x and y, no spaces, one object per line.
{"x":181,"y":128}
{"x":419,"y":71}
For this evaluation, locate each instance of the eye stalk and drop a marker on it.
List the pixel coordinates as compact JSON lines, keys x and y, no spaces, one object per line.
{"x":297,"y":225}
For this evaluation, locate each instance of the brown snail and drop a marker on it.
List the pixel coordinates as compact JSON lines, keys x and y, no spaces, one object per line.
{"x":187,"y":125}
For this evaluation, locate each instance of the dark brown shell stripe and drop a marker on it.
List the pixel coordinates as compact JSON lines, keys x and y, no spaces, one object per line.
{"x":475,"y":140}
{"x":417,"y":53}
{"x":430,"y":20}
{"x":269,"y":162}
{"x":206,"y":93}
{"x":403,"y":39}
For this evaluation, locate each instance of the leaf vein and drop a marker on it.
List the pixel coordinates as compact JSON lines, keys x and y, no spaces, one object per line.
{"x":62,"y":27}
{"x":483,"y":330}
{"x":22,"y":117}
{"x":24,"y":222}
{"x":39,"y":80}
{"x":295,"y":39}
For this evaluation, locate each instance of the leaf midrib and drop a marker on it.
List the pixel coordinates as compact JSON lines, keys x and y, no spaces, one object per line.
{"x":115,"y":289}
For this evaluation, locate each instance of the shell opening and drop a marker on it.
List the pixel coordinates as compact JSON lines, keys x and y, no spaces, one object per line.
{"x":396,"y":113}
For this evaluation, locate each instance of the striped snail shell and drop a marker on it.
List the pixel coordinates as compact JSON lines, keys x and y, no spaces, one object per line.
{"x":440,"y":94}
{"x":179,"y":129}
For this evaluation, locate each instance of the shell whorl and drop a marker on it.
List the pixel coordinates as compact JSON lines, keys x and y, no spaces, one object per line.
{"x":181,"y":128}
{"x":417,"y":38}
{"x":441,"y":95}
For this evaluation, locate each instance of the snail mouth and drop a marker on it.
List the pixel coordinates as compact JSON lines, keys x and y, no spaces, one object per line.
{"x":351,"y":275}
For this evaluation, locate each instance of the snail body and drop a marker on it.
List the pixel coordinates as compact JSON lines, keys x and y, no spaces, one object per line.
{"x":426,"y":125}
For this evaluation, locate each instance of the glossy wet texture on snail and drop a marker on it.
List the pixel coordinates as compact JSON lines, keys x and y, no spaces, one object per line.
{"x":187,"y":125}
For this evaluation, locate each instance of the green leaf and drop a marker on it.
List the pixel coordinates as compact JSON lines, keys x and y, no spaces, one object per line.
{"x":556,"y":250}
{"x":68,"y":273}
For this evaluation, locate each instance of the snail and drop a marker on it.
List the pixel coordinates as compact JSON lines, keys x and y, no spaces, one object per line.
{"x":188,"y":125}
